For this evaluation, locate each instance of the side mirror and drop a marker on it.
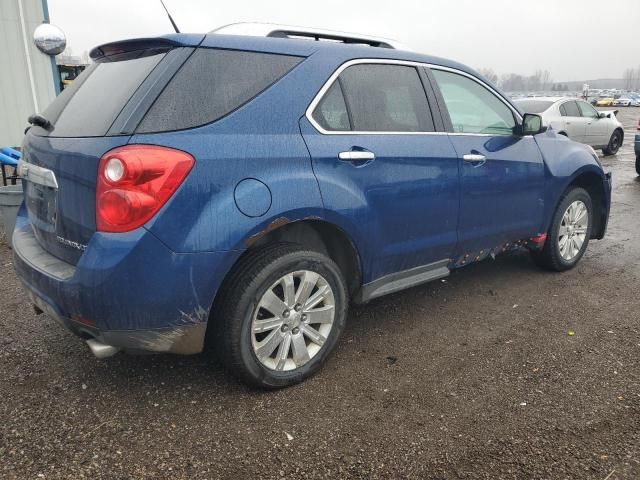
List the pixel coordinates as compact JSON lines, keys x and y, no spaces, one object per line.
{"x":532,"y":124}
{"x":602,"y":115}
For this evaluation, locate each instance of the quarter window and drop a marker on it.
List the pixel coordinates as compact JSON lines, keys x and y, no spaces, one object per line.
{"x":212,"y":84}
{"x":472,"y":107}
{"x":331,"y":112}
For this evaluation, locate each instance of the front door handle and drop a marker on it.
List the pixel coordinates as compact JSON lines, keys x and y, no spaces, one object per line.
{"x":474,"y":158}
{"x":356,"y":156}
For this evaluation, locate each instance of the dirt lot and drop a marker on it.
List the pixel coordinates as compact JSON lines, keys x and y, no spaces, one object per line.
{"x":472,"y":377}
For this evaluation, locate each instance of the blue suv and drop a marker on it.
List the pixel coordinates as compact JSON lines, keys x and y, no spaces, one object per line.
{"x":238,"y":192}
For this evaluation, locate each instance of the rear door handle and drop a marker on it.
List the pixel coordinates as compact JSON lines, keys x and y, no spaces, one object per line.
{"x":356,"y":156}
{"x":474,"y":158}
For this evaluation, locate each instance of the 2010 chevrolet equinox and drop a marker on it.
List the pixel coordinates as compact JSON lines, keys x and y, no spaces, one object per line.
{"x":239,"y":191}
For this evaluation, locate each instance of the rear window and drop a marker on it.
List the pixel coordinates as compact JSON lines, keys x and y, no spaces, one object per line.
{"x":212,"y":84}
{"x":102,"y":91}
{"x":533,"y":106}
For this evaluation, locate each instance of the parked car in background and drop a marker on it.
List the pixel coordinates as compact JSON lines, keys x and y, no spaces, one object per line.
{"x":579,"y":121}
{"x":605,"y":102}
{"x":241,"y":192}
{"x":627,"y":101}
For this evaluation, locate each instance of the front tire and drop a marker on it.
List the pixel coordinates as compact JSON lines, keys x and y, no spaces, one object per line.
{"x":280,"y":315}
{"x":615,"y":142}
{"x":570,"y":231}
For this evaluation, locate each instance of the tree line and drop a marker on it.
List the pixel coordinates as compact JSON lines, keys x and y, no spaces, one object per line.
{"x":541,"y":81}
{"x":513,"y":82}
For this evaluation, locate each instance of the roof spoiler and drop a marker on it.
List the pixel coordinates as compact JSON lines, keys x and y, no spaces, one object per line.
{"x":125,"y":49}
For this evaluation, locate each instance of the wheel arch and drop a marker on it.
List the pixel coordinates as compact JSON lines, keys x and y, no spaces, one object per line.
{"x":621,"y":130}
{"x":319,"y":235}
{"x":314,"y":233}
{"x":593,"y":184}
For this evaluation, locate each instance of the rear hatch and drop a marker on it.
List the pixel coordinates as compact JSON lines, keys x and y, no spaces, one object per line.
{"x":97,"y":113}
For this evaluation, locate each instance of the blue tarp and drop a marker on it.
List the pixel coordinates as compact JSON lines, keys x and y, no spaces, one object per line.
{"x":9,"y":156}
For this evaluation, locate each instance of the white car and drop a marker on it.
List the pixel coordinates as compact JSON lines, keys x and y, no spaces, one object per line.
{"x":578,"y":120}
{"x":627,"y":102}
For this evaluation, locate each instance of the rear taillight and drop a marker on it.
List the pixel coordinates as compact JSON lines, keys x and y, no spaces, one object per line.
{"x":134,"y":182}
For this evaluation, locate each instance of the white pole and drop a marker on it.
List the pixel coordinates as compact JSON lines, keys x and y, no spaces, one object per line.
{"x":25,"y":41}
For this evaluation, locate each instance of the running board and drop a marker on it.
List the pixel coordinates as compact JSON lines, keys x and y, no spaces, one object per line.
{"x":401,"y":280}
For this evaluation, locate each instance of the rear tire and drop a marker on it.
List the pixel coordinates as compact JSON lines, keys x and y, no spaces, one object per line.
{"x":638,"y":165}
{"x":264,"y":305}
{"x":569,"y":234}
{"x":615,"y":142}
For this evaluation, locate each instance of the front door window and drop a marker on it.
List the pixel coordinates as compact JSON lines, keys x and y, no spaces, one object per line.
{"x":472,"y":107}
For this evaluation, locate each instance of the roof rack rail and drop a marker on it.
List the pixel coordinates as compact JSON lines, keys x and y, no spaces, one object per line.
{"x":288,"y":31}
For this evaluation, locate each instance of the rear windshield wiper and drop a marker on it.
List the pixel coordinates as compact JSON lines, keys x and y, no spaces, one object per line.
{"x":40,"y":121}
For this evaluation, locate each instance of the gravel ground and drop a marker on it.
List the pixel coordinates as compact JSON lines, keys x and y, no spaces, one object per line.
{"x":472,"y":377}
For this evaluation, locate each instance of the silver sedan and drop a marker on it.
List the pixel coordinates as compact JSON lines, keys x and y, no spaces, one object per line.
{"x":577,"y":120}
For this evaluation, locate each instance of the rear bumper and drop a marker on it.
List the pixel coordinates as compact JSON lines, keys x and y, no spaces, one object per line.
{"x":182,"y":339}
{"x":128,"y":290}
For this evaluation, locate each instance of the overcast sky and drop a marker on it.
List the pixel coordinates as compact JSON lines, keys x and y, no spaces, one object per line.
{"x":573,"y":39}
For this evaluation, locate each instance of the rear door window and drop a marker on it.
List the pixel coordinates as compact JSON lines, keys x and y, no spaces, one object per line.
{"x":386,"y":98}
{"x":212,"y":84}
{"x":571,"y":109}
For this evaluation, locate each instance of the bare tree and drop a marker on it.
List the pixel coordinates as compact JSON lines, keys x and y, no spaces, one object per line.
{"x":513,"y":82}
{"x":628,"y":78}
{"x":545,"y":79}
{"x":68,"y":51}
{"x":533,"y":81}
{"x":537,"y":80}
{"x":489,"y":74}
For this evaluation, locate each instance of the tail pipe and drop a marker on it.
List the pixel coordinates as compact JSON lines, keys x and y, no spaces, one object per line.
{"x":101,"y":350}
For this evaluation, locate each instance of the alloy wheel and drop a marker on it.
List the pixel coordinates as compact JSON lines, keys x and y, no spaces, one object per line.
{"x":292,"y":320}
{"x":573,"y":230}
{"x":615,"y":142}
